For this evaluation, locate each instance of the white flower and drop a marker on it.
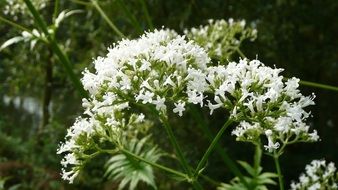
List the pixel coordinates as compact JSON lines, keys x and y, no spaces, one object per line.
{"x":318,"y":175}
{"x":179,"y":108}
{"x":271,"y":145}
{"x":70,"y":175}
{"x":69,"y":159}
{"x":159,"y":102}
{"x":291,"y":87}
{"x":146,"y":97}
{"x":195,"y":97}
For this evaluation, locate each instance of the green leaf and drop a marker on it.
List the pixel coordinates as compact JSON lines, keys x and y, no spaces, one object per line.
{"x":247,"y":167}
{"x":256,"y":181}
{"x":64,"y":14}
{"x":129,"y":170}
{"x":11,"y":41}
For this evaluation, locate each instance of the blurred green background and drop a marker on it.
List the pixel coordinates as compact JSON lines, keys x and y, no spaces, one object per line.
{"x":38,"y":101}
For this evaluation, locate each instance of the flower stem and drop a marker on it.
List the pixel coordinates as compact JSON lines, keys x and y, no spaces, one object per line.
{"x":318,"y":85}
{"x":106,"y":18}
{"x":222,"y":152}
{"x":279,"y":172}
{"x":257,"y":157}
{"x":131,"y":17}
{"x":164,"y":168}
{"x":240,"y":53}
{"x":174,"y":142}
{"x":211,"y":148}
{"x":56,"y":9}
{"x":56,"y":49}
{"x":146,"y":12}
{"x":15,"y":25}
{"x":179,"y":152}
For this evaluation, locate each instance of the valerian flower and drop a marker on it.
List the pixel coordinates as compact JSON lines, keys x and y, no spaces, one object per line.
{"x":162,"y":70}
{"x":16,"y":8}
{"x":263,"y":104}
{"x":221,"y":38}
{"x":318,"y":175}
{"x":153,"y":70}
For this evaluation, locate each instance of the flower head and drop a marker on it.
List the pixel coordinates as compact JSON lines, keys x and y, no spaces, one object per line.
{"x":318,"y":175}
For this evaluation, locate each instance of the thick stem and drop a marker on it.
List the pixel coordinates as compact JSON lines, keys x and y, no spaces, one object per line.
{"x":279,"y":172}
{"x":211,"y":148}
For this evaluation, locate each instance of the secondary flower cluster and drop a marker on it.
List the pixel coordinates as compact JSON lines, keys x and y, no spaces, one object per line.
{"x":261,"y":102}
{"x":221,"y":38}
{"x":162,"y":71}
{"x":15,"y":8}
{"x":318,"y":175}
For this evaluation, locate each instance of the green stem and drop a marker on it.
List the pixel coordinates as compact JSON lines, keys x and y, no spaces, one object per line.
{"x":15,"y":25}
{"x":279,"y":172}
{"x":82,"y":3}
{"x":210,"y":180}
{"x":179,"y":152}
{"x":318,"y":85}
{"x":145,"y":10}
{"x":105,"y":17}
{"x":56,"y":49}
{"x":211,"y":148}
{"x":132,"y":18}
{"x":240,"y":53}
{"x":56,"y":9}
{"x":257,"y":157}
{"x":225,"y":157}
{"x":174,"y":142}
{"x":164,"y":168}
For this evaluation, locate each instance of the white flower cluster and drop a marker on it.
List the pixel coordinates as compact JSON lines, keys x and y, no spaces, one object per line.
{"x":151,"y":70}
{"x":318,"y":175}
{"x":261,"y":102}
{"x":17,"y":7}
{"x":221,"y":38}
{"x":162,"y":71}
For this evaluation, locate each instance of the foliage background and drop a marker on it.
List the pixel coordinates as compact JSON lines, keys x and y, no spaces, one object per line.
{"x":300,"y":36}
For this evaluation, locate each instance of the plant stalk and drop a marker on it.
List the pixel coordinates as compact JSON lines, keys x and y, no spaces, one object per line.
{"x":211,"y":148}
{"x":15,"y":25}
{"x":164,"y":168}
{"x":318,"y":85}
{"x":257,"y":157}
{"x":279,"y":172}
{"x":56,"y":49}
{"x":222,"y":152}
{"x":146,"y":12}
{"x":175,"y":144}
{"x":106,"y":18}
